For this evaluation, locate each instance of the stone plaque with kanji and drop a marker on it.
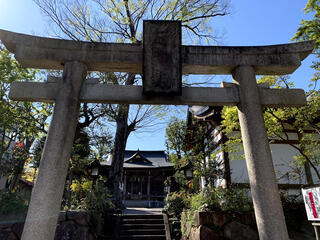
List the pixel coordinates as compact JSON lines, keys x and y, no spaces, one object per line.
{"x":162,"y":58}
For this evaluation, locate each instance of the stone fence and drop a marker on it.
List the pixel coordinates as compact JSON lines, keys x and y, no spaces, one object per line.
{"x":242,"y":226}
{"x":225,"y":225}
{"x":71,"y":225}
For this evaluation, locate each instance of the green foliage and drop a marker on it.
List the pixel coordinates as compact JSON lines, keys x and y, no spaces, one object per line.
{"x":176,"y":142}
{"x":19,"y":121}
{"x":225,"y":199}
{"x":100,"y":143}
{"x":187,"y":222}
{"x":175,"y":203}
{"x":309,"y":30}
{"x":89,"y":195}
{"x":233,"y":200}
{"x":80,"y":153}
{"x":98,"y":199}
{"x":11,"y":202}
{"x":180,"y":179}
{"x":189,"y":145}
{"x":277,"y":121}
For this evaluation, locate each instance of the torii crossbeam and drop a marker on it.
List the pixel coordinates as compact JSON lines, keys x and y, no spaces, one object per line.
{"x":76,"y":58}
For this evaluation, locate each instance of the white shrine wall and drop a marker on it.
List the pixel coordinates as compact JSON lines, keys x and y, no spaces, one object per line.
{"x":283,"y":156}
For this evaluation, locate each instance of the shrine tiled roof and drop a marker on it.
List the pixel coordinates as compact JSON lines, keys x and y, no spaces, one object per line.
{"x":142,"y":159}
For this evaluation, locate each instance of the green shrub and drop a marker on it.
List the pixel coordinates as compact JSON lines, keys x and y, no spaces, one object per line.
{"x":88,"y":195}
{"x":11,"y":202}
{"x":187,"y":222}
{"x":294,"y":211}
{"x":98,"y":198}
{"x":175,"y":203}
{"x":232,"y":199}
{"x":214,"y":199}
{"x":211,"y":199}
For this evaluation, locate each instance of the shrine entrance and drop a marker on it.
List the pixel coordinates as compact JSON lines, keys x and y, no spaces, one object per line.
{"x":136,"y":188}
{"x":162,"y":60}
{"x":139,"y":186}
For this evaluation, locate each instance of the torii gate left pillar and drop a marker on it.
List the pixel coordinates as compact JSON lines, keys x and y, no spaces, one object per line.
{"x":78,"y":57}
{"x":48,"y":190}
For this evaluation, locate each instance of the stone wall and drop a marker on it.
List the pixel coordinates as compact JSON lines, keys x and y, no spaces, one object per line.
{"x":242,"y":226}
{"x":72,"y":225}
{"x":226,"y":225}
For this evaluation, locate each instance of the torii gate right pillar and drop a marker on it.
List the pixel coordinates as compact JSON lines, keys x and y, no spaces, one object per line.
{"x":264,"y":189}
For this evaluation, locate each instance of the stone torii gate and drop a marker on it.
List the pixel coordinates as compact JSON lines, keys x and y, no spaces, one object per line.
{"x":161,"y":85}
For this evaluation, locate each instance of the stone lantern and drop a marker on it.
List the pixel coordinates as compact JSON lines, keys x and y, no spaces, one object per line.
{"x":188,"y":171}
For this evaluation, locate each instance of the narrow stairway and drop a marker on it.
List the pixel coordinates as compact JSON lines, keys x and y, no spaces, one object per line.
{"x":138,"y":226}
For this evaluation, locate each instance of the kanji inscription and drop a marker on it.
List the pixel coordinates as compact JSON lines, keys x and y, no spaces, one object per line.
{"x":162,"y":58}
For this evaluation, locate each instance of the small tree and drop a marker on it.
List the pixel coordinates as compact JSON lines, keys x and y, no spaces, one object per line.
{"x":309,"y":30}
{"x":192,"y":145}
{"x":19,"y":122}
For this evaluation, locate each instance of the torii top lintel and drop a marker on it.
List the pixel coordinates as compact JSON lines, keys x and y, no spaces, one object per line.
{"x":49,"y":53}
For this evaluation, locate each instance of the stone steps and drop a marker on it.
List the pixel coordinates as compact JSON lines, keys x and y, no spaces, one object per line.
{"x":138,"y":226}
{"x":143,"y":237}
{"x":144,"y":226}
{"x":142,"y":221}
{"x":143,"y":216}
{"x":142,"y":232}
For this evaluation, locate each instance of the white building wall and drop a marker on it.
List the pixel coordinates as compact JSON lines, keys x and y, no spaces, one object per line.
{"x":283,"y":158}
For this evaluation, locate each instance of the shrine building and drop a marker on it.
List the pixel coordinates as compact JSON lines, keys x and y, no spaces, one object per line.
{"x":144,"y":174}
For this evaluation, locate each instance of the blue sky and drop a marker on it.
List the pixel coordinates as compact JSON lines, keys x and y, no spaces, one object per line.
{"x":250,"y":23}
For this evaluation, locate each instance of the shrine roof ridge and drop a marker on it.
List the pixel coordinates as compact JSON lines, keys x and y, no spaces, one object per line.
{"x":155,"y":159}
{"x":50,"y":53}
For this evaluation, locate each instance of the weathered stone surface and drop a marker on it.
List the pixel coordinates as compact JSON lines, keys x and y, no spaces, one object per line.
{"x":220,"y":218}
{"x":80,"y":217}
{"x":77,"y":228}
{"x":17,"y":228}
{"x":46,"y":53}
{"x":13,"y":217}
{"x":70,"y":231}
{"x":162,"y":58}
{"x":103,"y":93}
{"x":264,"y":189}
{"x":238,"y":231}
{"x":7,"y":235}
{"x":203,"y":218}
{"x":47,"y":193}
{"x":203,"y":233}
{"x":62,"y":216}
{"x":3,"y":181}
{"x":246,"y":218}
{"x":5,"y":225}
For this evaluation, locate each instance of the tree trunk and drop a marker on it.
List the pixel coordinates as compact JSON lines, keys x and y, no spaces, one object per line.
{"x":307,"y":169}
{"x":120,"y":142}
{"x":308,"y":173}
{"x":226,"y":163}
